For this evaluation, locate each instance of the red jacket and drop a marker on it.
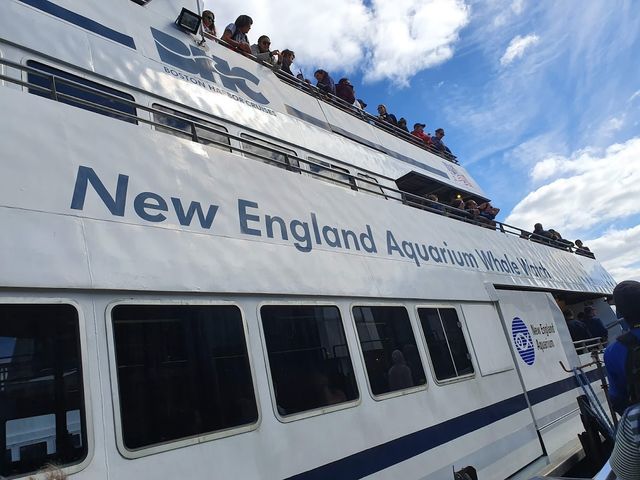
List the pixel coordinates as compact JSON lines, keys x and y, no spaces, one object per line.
{"x":425,"y":137}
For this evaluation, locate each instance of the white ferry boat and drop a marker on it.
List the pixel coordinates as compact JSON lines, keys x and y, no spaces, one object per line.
{"x":209,"y":270}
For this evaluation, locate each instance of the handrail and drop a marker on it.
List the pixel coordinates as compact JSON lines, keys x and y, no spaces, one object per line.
{"x":336,"y":101}
{"x":353,"y":181}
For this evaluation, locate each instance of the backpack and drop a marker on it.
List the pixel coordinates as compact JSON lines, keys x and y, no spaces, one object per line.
{"x":632,"y":366}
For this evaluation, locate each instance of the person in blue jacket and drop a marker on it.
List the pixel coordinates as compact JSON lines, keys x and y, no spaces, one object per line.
{"x":627,"y":299}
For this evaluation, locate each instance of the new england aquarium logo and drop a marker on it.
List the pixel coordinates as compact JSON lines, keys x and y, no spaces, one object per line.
{"x":195,"y":61}
{"x":523,"y":341}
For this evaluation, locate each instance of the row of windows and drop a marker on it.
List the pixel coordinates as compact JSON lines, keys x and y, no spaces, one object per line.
{"x":97,"y":98}
{"x":184,"y":370}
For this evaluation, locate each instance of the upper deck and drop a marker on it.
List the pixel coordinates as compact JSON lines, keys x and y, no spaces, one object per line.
{"x":212,"y":207}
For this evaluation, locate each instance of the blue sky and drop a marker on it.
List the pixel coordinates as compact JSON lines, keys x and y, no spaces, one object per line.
{"x":540,"y":100}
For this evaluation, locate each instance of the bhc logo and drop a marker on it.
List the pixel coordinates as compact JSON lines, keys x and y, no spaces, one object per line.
{"x":195,"y":61}
{"x":523,"y":341}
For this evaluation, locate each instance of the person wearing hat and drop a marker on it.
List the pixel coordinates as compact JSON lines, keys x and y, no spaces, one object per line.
{"x":418,"y":131}
{"x":626,"y":296}
{"x":345,"y":91}
{"x":386,"y":116}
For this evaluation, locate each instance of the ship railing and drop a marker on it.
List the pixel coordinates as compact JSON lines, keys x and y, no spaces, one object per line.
{"x":352,"y":110}
{"x":293,"y":163}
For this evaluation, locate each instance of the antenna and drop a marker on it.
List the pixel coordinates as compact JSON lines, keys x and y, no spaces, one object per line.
{"x":202,"y":40}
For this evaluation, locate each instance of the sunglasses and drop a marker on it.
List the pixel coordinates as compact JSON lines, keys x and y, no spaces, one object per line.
{"x":208,"y":17}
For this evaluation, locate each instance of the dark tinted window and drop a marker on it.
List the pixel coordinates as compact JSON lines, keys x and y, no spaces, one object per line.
{"x":389,"y":348}
{"x":182,"y":126}
{"x":447,"y":347}
{"x":42,"y":415}
{"x":65,"y":89}
{"x":308,"y":355}
{"x":331,"y":173}
{"x":279,"y":154}
{"x":183,"y":370}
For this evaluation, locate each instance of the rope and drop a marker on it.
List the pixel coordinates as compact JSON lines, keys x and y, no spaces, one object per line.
{"x":594,"y":407}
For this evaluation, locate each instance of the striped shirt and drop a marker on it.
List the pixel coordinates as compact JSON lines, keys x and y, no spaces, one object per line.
{"x":625,"y":459}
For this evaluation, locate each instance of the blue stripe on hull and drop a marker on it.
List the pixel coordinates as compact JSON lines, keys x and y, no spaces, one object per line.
{"x":81,"y":21}
{"x":375,"y":459}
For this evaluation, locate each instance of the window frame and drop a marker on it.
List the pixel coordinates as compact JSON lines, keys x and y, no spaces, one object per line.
{"x":115,"y":392}
{"x":465,"y":335}
{"x":157,"y":108}
{"x":84,"y":362}
{"x":328,"y":169}
{"x":395,"y":393}
{"x":318,"y":411}
{"x":269,"y":144}
{"x":126,"y":96}
{"x":369,"y":178}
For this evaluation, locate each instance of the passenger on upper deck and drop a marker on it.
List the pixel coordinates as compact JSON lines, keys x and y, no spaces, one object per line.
{"x":438,"y":143}
{"x":286,"y":60}
{"x":418,"y":131}
{"x":325,"y":82}
{"x":385,"y":116}
{"x":540,"y":234}
{"x":235,"y":34}
{"x":402,"y":124}
{"x":619,"y":370}
{"x":261,"y":51}
{"x":344,"y":90}
{"x":208,"y":24}
{"x":582,"y":249}
{"x":488,"y":211}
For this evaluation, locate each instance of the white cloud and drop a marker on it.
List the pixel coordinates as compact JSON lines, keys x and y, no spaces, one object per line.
{"x":517,"y":47}
{"x":590,"y":189}
{"x":617,"y":250}
{"x":408,"y":36}
{"x":386,"y":40}
{"x":634,"y":96}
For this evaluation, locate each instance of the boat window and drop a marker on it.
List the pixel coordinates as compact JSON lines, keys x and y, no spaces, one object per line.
{"x":389,"y":348}
{"x":447,"y":347}
{"x":90,"y":95}
{"x":42,"y":413}
{"x":275,"y":152}
{"x":181,"y":126}
{"x":370,"y":183}
{"x":183,"y":371}
{"x":335,"y":174}
{"x":308,"y":356}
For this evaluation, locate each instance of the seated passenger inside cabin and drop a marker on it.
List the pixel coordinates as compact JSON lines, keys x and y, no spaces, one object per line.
{"x":418,"y":131}
{"x":324,"y":82}
{"x":345,"y":91}
{"x":402,"y":124}
{"x":235,"y":34}
{"x":286,"y":60}
{"x":208,"y":24}
{"x":262,"y":52}
{"x":386,"y":116}
{"x":438,"y":144}
{"x":399,"y":376}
